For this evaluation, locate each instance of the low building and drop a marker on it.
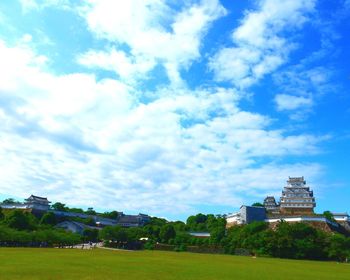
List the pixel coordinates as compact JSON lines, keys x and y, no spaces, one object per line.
{"x":132,"y":220}
{"x":33,"y":203}
{"x":98,"y":220}
{"x":341,"y":217}
{"x":246,"y":215}
{"x":39,"y":205}
{"x":252,"y":213}
{"x":16,"y":205}
{"x":200,"y":234}
{"x":233,"y":219}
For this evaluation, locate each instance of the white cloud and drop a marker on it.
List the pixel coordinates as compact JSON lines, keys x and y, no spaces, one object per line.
{"x":29,"y":5}
{"x":153,"y":31}
{"x":260,"y":45}
{"x":302,"y":88}
{"x":126,"y":67}
{"x":27,"y":38}
{"x":290,"y":102}
{"x":89,"y":142}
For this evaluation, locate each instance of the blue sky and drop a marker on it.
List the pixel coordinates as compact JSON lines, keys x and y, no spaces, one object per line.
{"x":174,"y":107}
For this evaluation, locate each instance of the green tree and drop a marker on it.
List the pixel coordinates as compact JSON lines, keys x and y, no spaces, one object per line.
{"x":329,"y":216}
{"x":107,"y":233}
{"x":110,"y":215}
{"x":120,"y":234}
{"x":154,"y":221}
{"x":167,"y":232}
{"x":76,"y":210}
{"x":152,"y":231}
{"x":339,"y":248}
{"x":182,"y":238}
{"x":9,"y":201}
{"x":135,"y":233}
{"x":298,"y":241}
{"x":48,"y":218}
{"x":179,"y":226}
{"x":90,"y":234}
{"x":258,"y":204}
{"x":216,"y":235}
{"x":90,"y":211}
{"x":58,"y":206}
{"x":114,"y":233}
{"x":90,"y":221}
{"x":197,"y":222}
{"x":17,"y":219}
{"x":1,"y":214}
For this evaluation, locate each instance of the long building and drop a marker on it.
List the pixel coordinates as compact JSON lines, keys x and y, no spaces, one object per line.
{"x":246,"y":215}
{"x":39,"y":205}
{"x":36,"y":203}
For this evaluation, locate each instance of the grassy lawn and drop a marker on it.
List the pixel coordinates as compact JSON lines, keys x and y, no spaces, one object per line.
{"x":23,"y":263}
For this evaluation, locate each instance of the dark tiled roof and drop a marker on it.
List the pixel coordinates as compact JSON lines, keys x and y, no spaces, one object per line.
{"x":77,"y":224}
{"x":37,"y":198}
{"x":200,"y":234}
{"x":129,"y":219}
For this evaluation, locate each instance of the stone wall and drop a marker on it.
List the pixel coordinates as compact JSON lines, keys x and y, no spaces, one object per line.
{"x":296,"y":211}
{"x":324,"y":226}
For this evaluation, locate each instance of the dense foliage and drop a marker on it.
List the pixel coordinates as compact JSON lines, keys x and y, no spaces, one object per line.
{"x":286,"y":240}
{"x":9,"y":201}
{"x":173,"y":233}
{"x":58,"y":206}
{"x":19,"y":228}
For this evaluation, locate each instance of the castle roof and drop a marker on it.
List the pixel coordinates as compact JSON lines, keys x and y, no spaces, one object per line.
{"x":296,"y":180}
{"x":37,"y":198}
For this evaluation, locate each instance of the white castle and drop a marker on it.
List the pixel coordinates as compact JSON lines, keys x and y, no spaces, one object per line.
{"x":296,"y":204}
{"x":297,"y":198}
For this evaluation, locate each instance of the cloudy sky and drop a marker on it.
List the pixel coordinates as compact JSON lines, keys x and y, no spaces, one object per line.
{"x":174,"y":107}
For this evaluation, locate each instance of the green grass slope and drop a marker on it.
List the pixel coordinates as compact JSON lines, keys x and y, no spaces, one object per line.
{"x":23,"y":263}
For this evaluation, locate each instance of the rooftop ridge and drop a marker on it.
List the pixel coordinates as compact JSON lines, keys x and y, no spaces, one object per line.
{"x":39,"y":197}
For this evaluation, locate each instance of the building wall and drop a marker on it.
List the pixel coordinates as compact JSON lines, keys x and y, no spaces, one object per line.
{"x":233,"y":219}
{"x":72,"y":227}
{"x":296,"y":211}
{"x":37,"y":206}
{"x":246,"y":215}
{"x":251,"y":214}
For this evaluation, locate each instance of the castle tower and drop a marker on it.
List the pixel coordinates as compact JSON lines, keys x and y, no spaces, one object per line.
{"x":297,"y":199}
{"x":270,"y":205}
{"x":38,"y":203}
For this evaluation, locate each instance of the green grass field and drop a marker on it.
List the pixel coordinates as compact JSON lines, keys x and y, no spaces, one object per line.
{"x":23,"y":263}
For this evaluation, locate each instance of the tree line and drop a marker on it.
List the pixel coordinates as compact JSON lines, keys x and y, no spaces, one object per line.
{"x":21,"y":228}
{"x":285,"y":240}
{"x":59,"y":206}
